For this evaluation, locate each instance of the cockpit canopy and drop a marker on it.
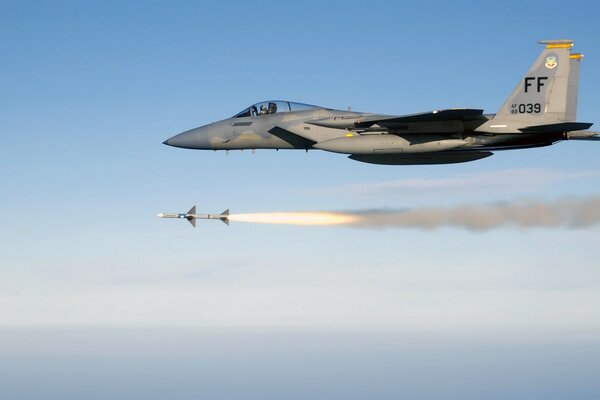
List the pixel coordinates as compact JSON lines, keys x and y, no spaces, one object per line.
{"x":272,"y":107}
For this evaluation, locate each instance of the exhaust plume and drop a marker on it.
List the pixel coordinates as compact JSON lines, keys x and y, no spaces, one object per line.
{"x":297,"y":218}
{"x":562,"y":213}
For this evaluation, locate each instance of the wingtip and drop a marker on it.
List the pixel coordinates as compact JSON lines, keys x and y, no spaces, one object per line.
{"x":557,"y":44}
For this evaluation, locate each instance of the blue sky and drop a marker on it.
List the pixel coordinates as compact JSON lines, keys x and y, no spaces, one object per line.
{"x":91,"y":89}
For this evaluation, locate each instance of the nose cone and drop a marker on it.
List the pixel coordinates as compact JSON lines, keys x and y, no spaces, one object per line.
{"x":193,"y":139}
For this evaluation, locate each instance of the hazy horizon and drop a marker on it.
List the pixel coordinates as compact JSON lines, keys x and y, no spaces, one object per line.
{"x":100,"y":299}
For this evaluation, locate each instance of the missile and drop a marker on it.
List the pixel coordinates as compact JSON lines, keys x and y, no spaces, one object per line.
{"x":192,"y":216}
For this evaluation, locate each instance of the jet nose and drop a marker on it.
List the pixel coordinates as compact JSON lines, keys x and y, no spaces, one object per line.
{"x":192,"y":139}
{"x":184,"y":140}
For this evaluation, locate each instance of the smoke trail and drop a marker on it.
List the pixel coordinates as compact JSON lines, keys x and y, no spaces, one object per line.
{"x":567,"y":213}
{"x":563,"y":213}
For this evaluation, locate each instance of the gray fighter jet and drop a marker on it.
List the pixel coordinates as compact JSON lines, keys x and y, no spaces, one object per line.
{"x":540,"y":112}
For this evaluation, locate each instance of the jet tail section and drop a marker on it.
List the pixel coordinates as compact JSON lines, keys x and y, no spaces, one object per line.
{"x":546,"y":95}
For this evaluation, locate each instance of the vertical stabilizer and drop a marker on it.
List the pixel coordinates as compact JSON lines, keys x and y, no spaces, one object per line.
{"x":573,"y":87}
{"x":547,"y":94}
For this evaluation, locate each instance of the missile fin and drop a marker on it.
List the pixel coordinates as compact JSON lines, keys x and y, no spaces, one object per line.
{"x":192,"y":216}
{"x":225,"y":217}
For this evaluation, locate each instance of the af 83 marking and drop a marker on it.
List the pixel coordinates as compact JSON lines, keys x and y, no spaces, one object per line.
{"x":528,"y":108}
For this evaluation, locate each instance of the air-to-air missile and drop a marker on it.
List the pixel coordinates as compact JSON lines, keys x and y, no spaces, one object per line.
{"x":192,"y":216}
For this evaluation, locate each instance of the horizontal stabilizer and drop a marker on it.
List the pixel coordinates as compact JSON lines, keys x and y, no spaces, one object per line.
{"x":560,"y":127}
{"x":588,"y":138}
{"x":584,"y":135}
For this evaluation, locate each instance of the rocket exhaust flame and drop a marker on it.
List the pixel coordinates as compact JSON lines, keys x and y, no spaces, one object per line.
{"x":297,"y":218}
{"x":563,"y":213}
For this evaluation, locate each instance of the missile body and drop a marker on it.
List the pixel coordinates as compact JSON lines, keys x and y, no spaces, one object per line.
{"x":192,"y":216}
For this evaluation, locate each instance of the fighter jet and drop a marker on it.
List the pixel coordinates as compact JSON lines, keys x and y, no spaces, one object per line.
{"x":540,"y":111}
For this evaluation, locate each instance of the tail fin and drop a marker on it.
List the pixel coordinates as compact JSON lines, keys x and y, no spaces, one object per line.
{"x":547,"y":94}
{"x":191,"y":216}
{"x":225,"y":216}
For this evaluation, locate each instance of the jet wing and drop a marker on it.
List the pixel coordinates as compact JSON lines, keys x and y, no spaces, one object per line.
{"x":454,"y":114}
{"x":449,"y":121}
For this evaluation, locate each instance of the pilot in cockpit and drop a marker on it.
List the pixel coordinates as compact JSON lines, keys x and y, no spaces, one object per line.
{"x":272,"y":108}
{"x":263,"y":110}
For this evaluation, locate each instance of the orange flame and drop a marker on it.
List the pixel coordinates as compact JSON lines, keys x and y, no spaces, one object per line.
{"x":296,"y":218}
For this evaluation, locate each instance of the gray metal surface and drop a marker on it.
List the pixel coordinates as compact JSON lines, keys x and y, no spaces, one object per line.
{"x":540,"y":111}
{"x":191,"y":216}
